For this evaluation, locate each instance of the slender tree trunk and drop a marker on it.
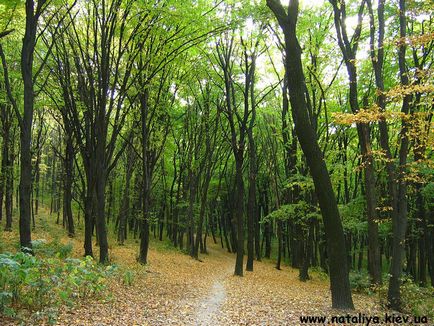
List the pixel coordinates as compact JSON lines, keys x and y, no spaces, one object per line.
{"x":100,"y":185}
{"x":53,"y":200}
{"x":258,"y":235}
{"x":67,"y":182}
{"x":193,"y":180}
{"x":26,"y":121}
{"x":202,"y":211}
{"x":88,"y":216}
{"x":144,"y":227}
{"x":399,"y":220}
{"x":251,"y":205}
{"x":124,"y":211}
{"x":339,"y":281}
{"x":279,"y":243}
{"x":268,"y":226}
{"x":3,"y":165}
{"x":7,"y":168}
{"x":304,"y":270}
{"x":239,"y":212}
{"x":371,"y":202}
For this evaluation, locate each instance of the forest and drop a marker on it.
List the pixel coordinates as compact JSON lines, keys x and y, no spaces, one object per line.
{"x":216,"y":162}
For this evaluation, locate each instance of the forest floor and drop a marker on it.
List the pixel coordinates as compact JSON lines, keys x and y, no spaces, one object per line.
{"x":174,"y":289}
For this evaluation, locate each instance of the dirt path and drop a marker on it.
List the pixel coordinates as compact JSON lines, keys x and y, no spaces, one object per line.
{"x":210,"y":306}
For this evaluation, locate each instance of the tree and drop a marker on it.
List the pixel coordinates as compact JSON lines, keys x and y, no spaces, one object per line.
{"x":399,"y":217}
{"x":349,"y":47}
{"x":26,"y":119}
{"x":340,"y":285}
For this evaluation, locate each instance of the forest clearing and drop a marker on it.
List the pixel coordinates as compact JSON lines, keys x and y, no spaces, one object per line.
{"x":217,"y":162}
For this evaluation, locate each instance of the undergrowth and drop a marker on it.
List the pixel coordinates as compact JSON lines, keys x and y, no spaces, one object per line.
{"x":37,"y":286}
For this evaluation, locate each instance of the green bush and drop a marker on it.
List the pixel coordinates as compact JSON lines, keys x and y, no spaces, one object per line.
{"x":319,"y":273}
{"x":128,"y":277}
{"x":54,"y":248}
{"x":417,"y":300}
{"x":360,"y":282}
{"x":39,"y":285}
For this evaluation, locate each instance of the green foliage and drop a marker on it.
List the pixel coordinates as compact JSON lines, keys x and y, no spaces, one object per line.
{"x":54,"y":248}
{"x":301,"y":182}
{"x":416,"y":300}
{"x":128,"y":277}
{"x":319,"y":273}
{"x":35,"y":284}
{"x":360,"y":281}
{"x":428,"y":194}
{"x":353,"y":215}
{"x":300,"y":212}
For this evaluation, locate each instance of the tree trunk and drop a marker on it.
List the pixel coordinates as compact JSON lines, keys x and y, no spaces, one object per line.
{"x":239,"y":211}
{"x":251,"y":205}
{"x":26,"y":121}
{"x":339,"y":281}
{"x":399,"y":218}
{"x":144,"y":227}
{"x":68,"y":181}
{"x":279,"y":243}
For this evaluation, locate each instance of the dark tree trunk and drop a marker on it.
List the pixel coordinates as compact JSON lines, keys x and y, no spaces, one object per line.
{"x":249,"y":91}
{"x":349,"y":54}
{"x":267,"y":226}
{"x":37,"y":171}
{"x":304,"y":270}
{"x":53,"y":200}
{"x":279,"y":243}
{"x":374,"y":267}
{"x":88,"y":217}
{"x":193,"y":180}
{"x":26,"y":121}
{"x":202,"y":211}
{"x":223,"y":224}
{"x":239,"y":212}
{"x":3,"y":174}
{"x":124,"y":211}
{"x":67,"y":183}
{"x":340,"y":285}
{"x":8,"y":194}
{"x":146,"y":175}
{"x":399,"y":216}
{"x":251,"y":205}
{"x":257,"y":227}
{"x":100,"y":185}
{"x":430,"y":246}
{"x":175,"y":218}
{"x":7,"y":169}
{"x":238,"y":127}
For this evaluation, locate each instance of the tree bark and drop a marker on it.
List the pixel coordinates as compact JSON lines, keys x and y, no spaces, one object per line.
{"x":399,"y":219}
{"x":67,"y":184}
{"x":26,"y":121}
{"x":339,"y":281}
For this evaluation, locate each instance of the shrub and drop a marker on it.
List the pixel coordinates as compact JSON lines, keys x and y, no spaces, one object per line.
{"x":417,"y":301}
{"x":41,"y":285}
{"x":128,"y":278}
{"x":319,"y":272}
{"x":360,"y":282}
{"x":54,"y":248}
